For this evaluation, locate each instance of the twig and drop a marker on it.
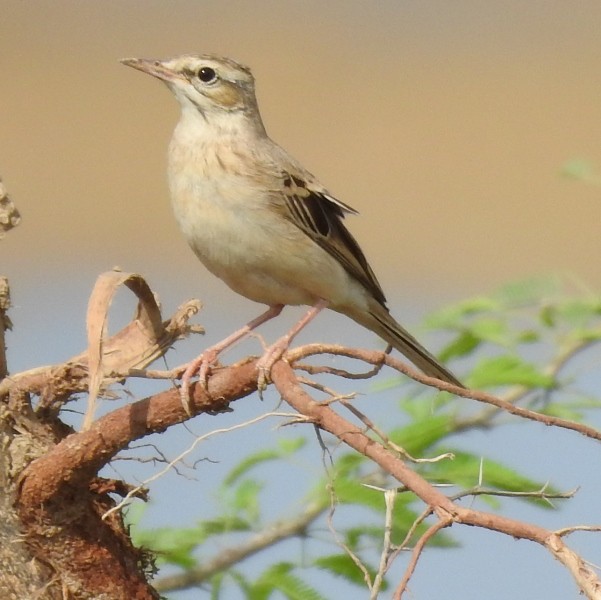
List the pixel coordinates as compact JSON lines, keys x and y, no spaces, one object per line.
{"x":340,"y":543}
{"x":570,"y":530}
{"x":180,"y":457}
{"x":542,"y":494}
{"x":389,"y":499}
{"x":416,"y":553}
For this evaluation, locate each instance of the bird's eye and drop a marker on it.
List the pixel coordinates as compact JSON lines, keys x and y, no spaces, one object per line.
{"x":207,"y":74}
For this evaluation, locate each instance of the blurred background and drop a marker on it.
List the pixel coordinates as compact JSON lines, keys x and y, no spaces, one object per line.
{"x":446,"y":124}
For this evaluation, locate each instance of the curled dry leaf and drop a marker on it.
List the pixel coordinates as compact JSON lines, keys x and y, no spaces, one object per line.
{"x":137,"y":345}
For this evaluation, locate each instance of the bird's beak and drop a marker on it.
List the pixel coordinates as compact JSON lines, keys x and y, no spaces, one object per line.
{"x":153,"y":67}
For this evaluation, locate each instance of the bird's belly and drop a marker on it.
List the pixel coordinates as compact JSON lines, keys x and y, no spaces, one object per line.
{"x":258,"y":255}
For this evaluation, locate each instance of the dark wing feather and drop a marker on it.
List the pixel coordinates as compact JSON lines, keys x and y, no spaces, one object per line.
{"x":319,"y":215}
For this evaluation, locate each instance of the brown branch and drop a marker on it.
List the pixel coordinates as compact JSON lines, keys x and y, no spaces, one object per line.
{"x":374,"y":357}
{"x":445,"y":509}
{"x":416,"y":553}
{"x":59,"y":501}
{"x":78,"y":457}
{"x":62,"y":516}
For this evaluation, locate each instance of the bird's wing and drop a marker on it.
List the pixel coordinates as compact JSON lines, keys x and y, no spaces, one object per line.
{"x":319,"y":215}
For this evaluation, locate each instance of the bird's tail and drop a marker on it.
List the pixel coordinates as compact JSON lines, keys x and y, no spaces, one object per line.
{"x":378,"y":319}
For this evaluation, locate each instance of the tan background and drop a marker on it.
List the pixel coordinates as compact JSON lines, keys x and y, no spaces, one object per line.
{"x":444,"y":123}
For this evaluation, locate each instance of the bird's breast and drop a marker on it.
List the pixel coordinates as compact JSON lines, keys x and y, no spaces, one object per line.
{"x":227,"y":216}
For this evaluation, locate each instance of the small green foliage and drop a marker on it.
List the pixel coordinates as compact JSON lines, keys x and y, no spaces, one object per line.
{"x":342,"y":565}
{"x":422,"y":434}
{"x":508,"y":370}
{"x":175,"y":545}
{"x":246,"y":501}
{"x":464,"y":344}
{"x":581,"y":169}
{"x":280,"y":577}
{"x":527,"y":292}
{"x":285,"y":448}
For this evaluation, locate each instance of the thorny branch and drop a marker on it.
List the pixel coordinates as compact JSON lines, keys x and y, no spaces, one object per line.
{"x":443,"y":507}
{"x":375,"y":358}
{"x":76,"y":459}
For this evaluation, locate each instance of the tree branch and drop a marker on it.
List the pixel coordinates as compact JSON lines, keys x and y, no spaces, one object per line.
{"x":375,"y":358}
{"x":445,"y":509}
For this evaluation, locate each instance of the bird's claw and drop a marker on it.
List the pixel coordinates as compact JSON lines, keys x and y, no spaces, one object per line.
{"x":266,"y":362}
{"x":201,"y":365}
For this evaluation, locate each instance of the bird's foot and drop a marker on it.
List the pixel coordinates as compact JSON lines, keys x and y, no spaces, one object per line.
{"x":276,"y":350}
{"x":201,"y":365}
{"x":266,"y":362}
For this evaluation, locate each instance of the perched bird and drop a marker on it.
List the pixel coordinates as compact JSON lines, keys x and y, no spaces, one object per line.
{"x":257,"y":219}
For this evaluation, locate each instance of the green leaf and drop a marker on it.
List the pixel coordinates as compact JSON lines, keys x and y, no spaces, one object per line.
{"x":225,"y":524}
{"x":172,"y":545}
{"x":246,"y":499}
{"x":216,"y":585}
{"x":555,"y":409}
{"x":280,"y":577}
{"x":242,"y":583}
{"x":548,"y":315}
{"x":528,"y":336}
{"x":579,"y":311}
{"x":490,"y":330}
{"x":342,"y":565}
{"x":175,"y":545}
{"x":349,"y":463}
{"x":508,"y":370}
{"x":586,"y":335}
{"x":286,"y":447}
{"x":421,"y":435}
{"x":574,"y":411}
{"x":465,"y":343}
{"x":350,"y":491}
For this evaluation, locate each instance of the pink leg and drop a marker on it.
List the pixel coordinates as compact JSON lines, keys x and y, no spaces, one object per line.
{"x":275,"y":351}
{"x":203,"y":363}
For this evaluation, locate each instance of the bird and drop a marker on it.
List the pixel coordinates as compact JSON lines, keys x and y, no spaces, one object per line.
{"x":258,"y":220}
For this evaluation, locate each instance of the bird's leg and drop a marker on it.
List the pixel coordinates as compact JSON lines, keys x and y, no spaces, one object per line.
{"x":203,"y":363}
{"x":275,"y":351}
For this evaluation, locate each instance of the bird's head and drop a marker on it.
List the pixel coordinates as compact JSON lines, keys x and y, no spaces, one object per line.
{"x":208,"y":83}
